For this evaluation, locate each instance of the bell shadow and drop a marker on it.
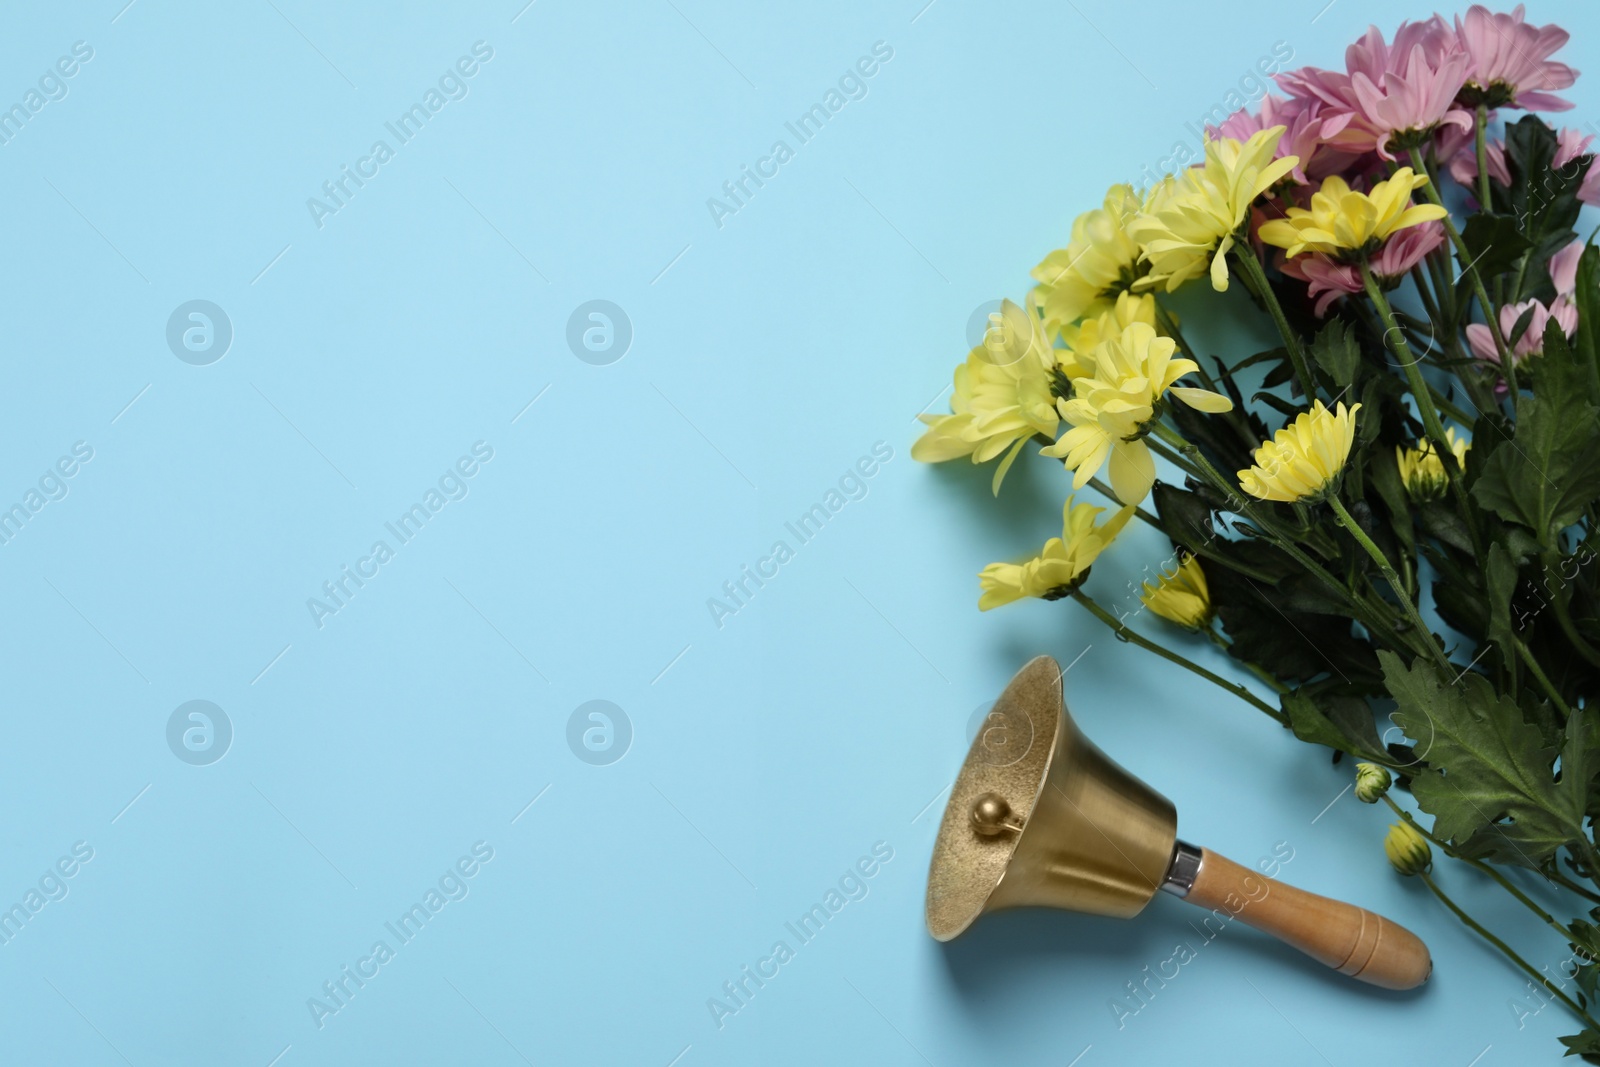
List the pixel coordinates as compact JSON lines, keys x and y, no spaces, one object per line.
{"x":1000,"y":958}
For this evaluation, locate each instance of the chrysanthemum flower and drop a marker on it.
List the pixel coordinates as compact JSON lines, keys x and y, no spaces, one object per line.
{"x":1112,"y":408}
{"x":1099,"y":262}
{"x":1181,"y":597}
{"x":1063,"y":563}
{"x":1311,"y":128}
{"x":1531,"y":343}
{"x":1459,"y":150}
{"x":1327,"y":278}
{"x":1509,"y":62}
{"x":1076,"y":360}
{"x":1189,"y":221}
{"x":1563,"y":310}
{"x":1423,"y":471}
{"x":1343,"y":221}
{"x":1002,"y":396}
{"x":1304,"y":457}
{"x":1393,"y":92}
{"x":1571,"y":145}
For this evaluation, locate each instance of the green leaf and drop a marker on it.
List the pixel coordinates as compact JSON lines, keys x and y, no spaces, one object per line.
{"x":1579,"y":761}
{"x":1337,"y":352}
{"x":1185,"y":516}
{"x":1500,"y":576}
{"x":1442,"y":522}
{"x":1588,"y":301}
{"x":1585,"y":952}
{"x":1217,"y":435}
{"x":1494,"y":242}
{"x":1585,"y":937}
{"x":1372,"y":400}
{"x":1489,"y":777}
{"x":1287,"y":408}
{"x":1339,"y":720}
{"x":1385,"y":472}
{"x":1550,"y":471}
{"x":1542,"y":198}
{"x":1295,"y":646}
{"x":1585,"y":1043}
{"x":1520,"y":327}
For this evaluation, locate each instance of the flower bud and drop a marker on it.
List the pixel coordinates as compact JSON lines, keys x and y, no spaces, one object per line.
{"x":1423,"y":471}
{"x":1181,"y":597}
{"x":1407,"y":849}
{"x":1372,"y":781}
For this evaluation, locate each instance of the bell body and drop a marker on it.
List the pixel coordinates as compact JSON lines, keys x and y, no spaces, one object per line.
{"x":1098,"y":839}
{"x":1078,"y":831}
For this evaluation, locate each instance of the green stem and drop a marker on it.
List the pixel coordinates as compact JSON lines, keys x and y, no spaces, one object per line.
{"x":1506,"y":949}
{"x":1431,"y":423}
{"x":1505,"y":883}
{"x":1448,"y":408}
{"x":1125,"y":634}
{"x":1481,"y":142}
{"x":1567,"y":883}
{"x":1245,"y":256}
{"x":1423,"y":396}
{"x":1284,"y":542}
{"x":1540,"y":677}
{"x":1349,"y":523}
{"x":1564,"y":618}
{"x":1480,"y":139}
{"x":1144,"y":516}
{"x":1469,"y":266}
{"x":1204,"y":550}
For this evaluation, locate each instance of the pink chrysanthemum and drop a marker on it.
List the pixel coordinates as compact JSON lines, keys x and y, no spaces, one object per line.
{"x":1458,"y":149}
{"x":1509,"y":62}
{"x":1311,"y":127}
{"x":1564,"y":276}
{"x":1570,"y":145}
{"x":1327,"y":279}
{"x":1402,"y":90}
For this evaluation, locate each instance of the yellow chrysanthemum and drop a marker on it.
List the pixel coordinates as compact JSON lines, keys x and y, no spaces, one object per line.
{"x":1342,"y":220}
{"x":1422,"y":469}
{"x":1061,"y":566}
{"x":1181,"y":597}
{"x":1099,"y":262}
{"x":1190,"y":221}
{"x":1076,"y":360}
{"x":1304,"y":456}
{"x":1112,"y":407}
{"x":1002,"y":396}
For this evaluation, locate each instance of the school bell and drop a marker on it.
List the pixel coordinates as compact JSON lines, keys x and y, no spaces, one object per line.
{"x":1040,"y":817}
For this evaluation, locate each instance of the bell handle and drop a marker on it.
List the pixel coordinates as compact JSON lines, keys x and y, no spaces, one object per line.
{"x":1351,"y":940}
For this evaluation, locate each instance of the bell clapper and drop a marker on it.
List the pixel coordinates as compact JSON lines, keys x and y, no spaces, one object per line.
{"x":992,"y":816}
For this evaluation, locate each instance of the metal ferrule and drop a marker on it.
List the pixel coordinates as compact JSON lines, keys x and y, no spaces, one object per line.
{"x":1183,"y":870}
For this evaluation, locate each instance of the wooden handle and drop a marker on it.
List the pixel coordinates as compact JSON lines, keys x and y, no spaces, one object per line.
{"x":1351,"y":940}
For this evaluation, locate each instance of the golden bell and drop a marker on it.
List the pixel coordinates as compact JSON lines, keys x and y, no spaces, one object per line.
{"x":1039,"y":816}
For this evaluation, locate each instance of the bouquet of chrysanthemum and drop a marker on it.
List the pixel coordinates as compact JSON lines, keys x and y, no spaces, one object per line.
{"x":1415,"y":529}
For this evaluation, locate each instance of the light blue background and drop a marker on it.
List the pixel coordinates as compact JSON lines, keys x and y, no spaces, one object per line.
{"x":768,"y":355}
